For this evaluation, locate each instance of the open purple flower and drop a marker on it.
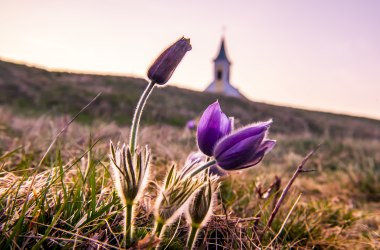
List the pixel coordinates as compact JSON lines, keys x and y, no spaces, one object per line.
{"x":213,"y":125}
{"x":243,"y":148}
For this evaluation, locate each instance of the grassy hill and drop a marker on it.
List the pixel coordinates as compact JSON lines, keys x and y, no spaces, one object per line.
{"x":31,"y":90}
{"x":73,"y":203}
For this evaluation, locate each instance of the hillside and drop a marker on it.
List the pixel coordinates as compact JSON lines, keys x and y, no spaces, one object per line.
{"x":68,"y":199}
{"x":31,"y":91}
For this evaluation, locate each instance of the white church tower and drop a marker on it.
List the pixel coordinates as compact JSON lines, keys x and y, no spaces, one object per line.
{"x":221,"y":83}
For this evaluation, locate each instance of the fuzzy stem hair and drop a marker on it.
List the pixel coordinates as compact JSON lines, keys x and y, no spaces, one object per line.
{"x":203,"y":167}
{"x":128,"y":225}
{"x":192,"y":237}
{"x":137,"y":116}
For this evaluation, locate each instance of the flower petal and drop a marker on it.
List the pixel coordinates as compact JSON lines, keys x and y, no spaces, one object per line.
{"x":234,"y":154}
{"x":241,"y":134}
{"x":213,"y":125}
{"x":264,"y":148}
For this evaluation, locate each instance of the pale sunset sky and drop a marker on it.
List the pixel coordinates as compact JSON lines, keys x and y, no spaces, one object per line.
{"x":314,"y":54}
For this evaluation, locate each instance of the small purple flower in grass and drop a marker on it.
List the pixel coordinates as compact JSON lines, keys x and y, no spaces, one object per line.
{"x":196,"y":158}
{"x":217,"y":171}
{"x":190,"y":125}
{"x":243,"y":148}
{"x":212,"y":126}
{"x":164,"y":66}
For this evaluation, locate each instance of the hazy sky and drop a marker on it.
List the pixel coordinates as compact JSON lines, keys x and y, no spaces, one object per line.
{"x":315,"y":54}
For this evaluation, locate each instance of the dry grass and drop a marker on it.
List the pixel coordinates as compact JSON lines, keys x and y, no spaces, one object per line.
{"x":69,"y":201}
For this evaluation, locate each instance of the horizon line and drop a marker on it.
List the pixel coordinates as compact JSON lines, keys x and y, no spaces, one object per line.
{"x":119,"y":74}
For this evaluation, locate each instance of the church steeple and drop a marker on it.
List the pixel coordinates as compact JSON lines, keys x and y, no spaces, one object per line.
{"x":221,"y":83}
{"x":222,"y":56}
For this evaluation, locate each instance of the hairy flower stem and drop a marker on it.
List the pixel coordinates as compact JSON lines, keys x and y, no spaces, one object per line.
{"x":159,"y":228}
{"x":203,"y":167}
{"x":192,"y":236}
{"x":128,"y":226}
{"x":137,"y":116}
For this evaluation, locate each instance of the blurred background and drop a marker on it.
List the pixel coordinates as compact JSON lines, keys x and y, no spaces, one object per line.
{"x":320,"y":55}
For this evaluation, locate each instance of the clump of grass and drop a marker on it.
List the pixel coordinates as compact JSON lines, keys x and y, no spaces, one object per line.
{"x":64,"y":210}
{"x":365,"y":182}
{"x":61,"y":206}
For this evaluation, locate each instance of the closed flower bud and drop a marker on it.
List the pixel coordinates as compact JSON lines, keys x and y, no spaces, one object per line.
{"x":244,"y":148}
{"x":174,"y":195}
{"x":200,"y":208}
{"x":213,"y":125}
{"x":129,"y":172}
{"x":164,"y":66}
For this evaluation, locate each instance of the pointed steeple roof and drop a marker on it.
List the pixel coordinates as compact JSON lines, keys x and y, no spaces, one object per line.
{"x":222,"y":56}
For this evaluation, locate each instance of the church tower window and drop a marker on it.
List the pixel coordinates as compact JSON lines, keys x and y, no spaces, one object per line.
{"x":219,"y":75}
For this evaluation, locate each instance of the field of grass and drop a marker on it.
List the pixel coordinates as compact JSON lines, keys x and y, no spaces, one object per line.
{"x":68,"y":200}
{"x":34,"y":91}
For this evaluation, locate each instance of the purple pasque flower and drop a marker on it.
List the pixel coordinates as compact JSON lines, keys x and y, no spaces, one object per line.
{"x":163,"y":67}
{"x":243,"y":148}
{"x":212,"y":126}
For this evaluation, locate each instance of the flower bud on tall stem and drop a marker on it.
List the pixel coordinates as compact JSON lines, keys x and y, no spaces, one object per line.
{"x":164,"y":66}
{"x":130,"y":173}
{"x":159,"y":73}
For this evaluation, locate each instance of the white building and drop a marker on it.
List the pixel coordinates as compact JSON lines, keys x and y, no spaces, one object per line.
{"x":221,"y":83}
